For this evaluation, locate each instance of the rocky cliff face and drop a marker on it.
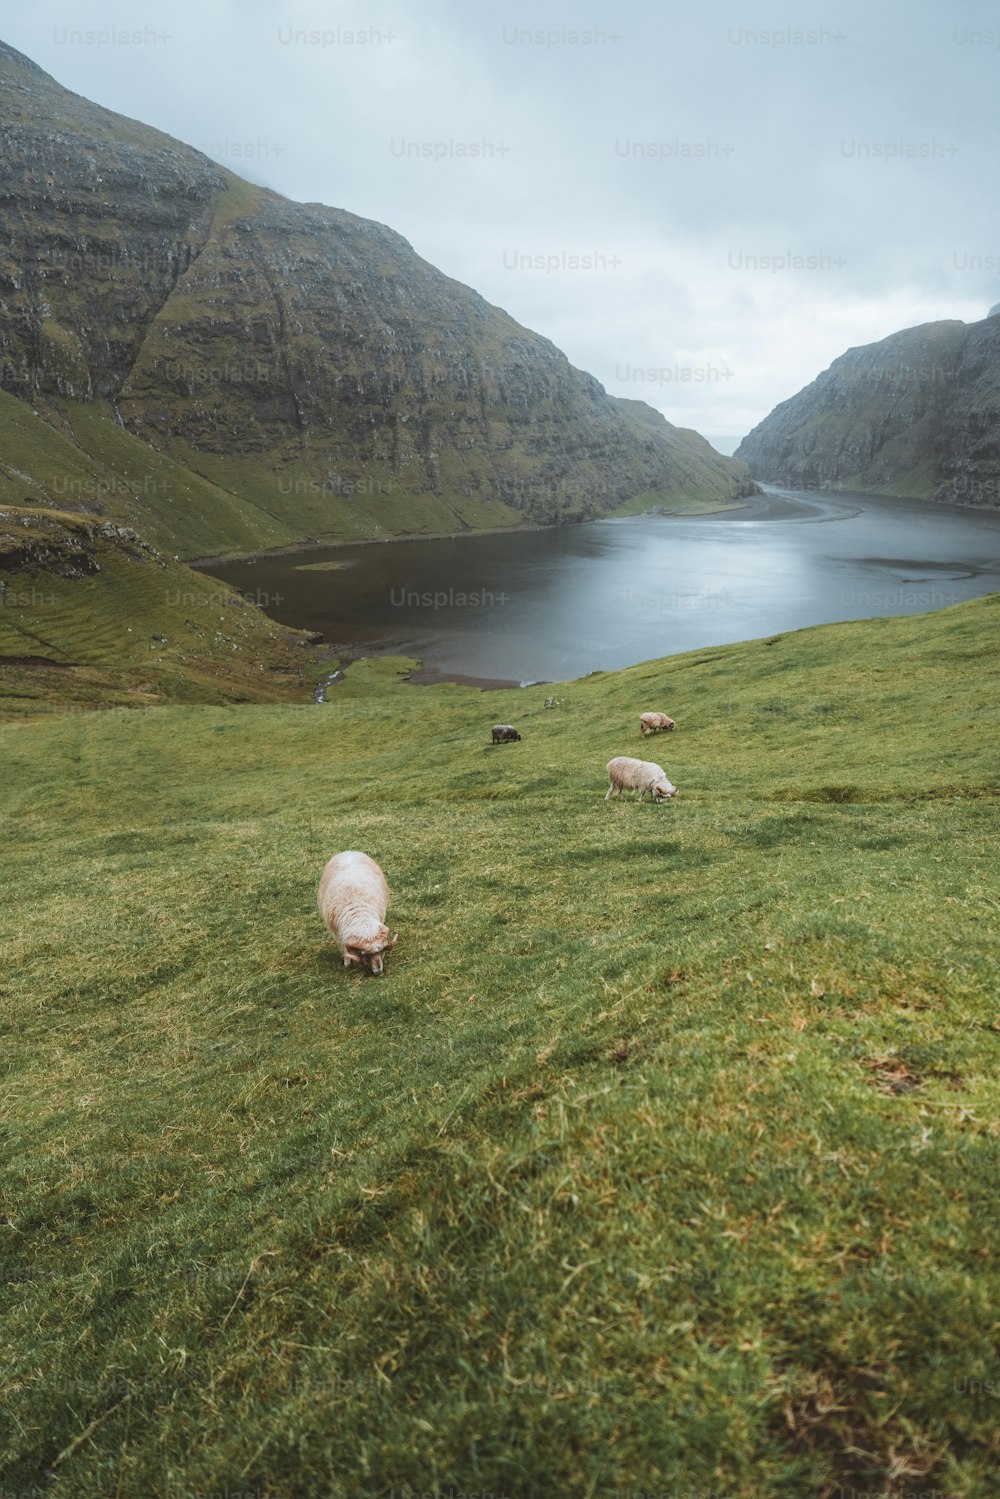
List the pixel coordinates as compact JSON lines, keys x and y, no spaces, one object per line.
{"x":303,"y":359}
{"x":916,"y":414}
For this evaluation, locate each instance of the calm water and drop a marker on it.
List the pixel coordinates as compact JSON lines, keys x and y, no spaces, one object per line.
{"x":550,"y":605}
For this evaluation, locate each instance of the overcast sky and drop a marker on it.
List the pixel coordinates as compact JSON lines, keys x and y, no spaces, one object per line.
{"x":630,"y":182}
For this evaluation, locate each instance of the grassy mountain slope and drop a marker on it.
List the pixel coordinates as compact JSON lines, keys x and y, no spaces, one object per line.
{"x":302,"y":360}
{"x":916,"y":414}
{"x":73,"y":456}
{"x":92,"y":615}
{"x":663,"y":1156}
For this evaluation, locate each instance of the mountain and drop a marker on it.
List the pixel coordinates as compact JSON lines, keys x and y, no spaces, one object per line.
{"x":290,"y":370}
{"x":916,"y":414}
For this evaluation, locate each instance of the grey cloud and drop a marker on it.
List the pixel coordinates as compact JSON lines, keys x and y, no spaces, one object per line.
{"x":653,"y":187}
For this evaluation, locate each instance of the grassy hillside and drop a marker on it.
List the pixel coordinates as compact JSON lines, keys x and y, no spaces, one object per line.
{"x":93,"y":616}
{"x":663,"y":1157}
{"x":67,"y":455}
{"x":73,"y":456}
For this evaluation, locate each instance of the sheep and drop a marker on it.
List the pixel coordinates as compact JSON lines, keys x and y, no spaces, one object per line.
{"x":652,"y":723}
{"x":626,"y":774}
{"x":352,"y":899}
{"x":504,"y":733}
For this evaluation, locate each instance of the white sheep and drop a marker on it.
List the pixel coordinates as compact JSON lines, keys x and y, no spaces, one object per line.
{"x":352,"y":899}
{"x":654,"y":723}
{"x":626,"y":774}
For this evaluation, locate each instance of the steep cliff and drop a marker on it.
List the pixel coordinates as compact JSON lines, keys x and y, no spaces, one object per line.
{"x":300,"y":359}
{"x":916,"y":414}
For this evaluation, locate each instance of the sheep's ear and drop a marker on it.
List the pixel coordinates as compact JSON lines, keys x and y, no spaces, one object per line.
{"x":392,"y":942}
{"x":352,"y":957}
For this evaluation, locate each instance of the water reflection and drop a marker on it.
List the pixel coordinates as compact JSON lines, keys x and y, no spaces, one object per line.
{"x":556,"y":604}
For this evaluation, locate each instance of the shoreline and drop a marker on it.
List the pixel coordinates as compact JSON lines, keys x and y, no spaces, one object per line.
{"x":431,"y":676}
{"x":778,"y":502}
{"x":316,"y":544}
{"x":773,"y":503}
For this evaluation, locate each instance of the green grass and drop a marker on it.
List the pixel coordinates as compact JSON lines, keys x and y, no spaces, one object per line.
{"x":73,"y":456}
{"x":662,"y":1158}
{"x":91,"y":616}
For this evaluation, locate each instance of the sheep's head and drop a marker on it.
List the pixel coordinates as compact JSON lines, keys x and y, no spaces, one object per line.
{"x":370,"y":951}
{"x":663,"y":791}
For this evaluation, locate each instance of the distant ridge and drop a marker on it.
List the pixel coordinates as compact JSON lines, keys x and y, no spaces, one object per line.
{"x":916,"y":414}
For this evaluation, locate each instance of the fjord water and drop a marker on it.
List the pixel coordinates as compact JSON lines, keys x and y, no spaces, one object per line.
{"x":555,"y":604}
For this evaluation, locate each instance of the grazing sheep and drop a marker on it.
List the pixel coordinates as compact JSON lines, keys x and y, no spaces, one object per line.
{"x":504,"y":733}
{"x":653,"y":723}
{"x":626,"y":774}
{"x":352,"y":900}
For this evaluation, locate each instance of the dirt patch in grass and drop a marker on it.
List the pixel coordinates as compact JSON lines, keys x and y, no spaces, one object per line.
{"x":891,"y":1075}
